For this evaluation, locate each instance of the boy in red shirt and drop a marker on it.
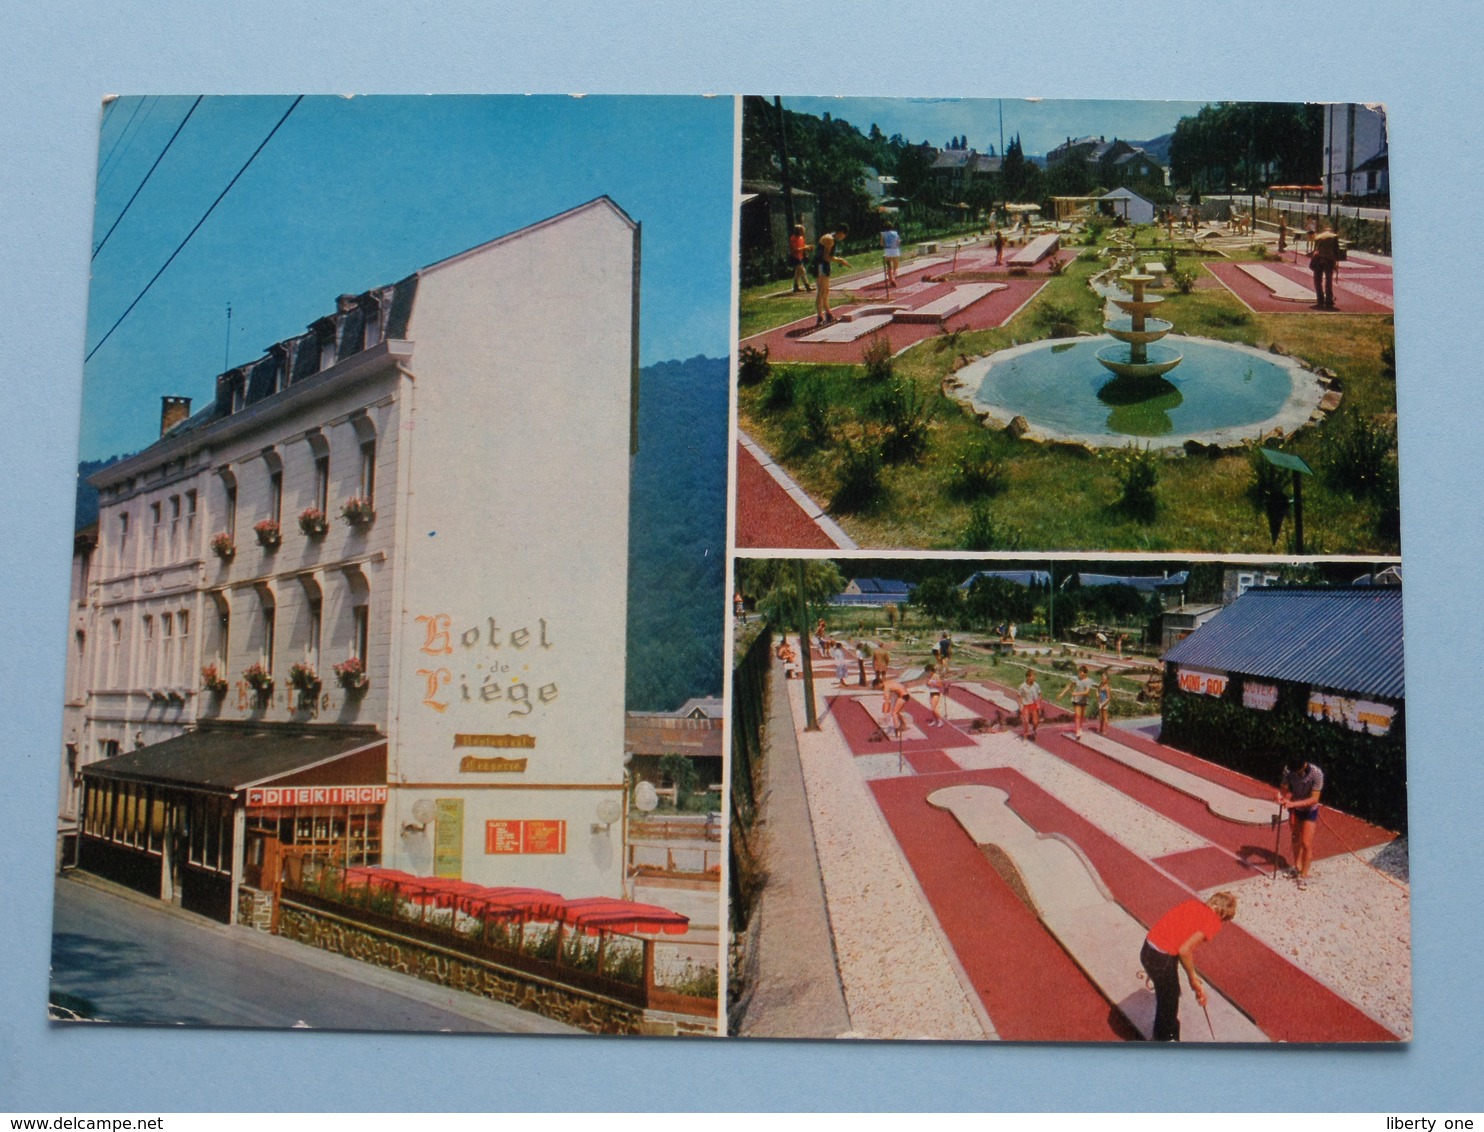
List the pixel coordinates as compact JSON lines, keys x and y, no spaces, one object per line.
{"x":1170,"y":945}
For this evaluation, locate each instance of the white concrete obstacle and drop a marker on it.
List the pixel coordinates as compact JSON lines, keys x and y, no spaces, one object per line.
{"x":1281,"y":286}
{"x":1220,"y":800}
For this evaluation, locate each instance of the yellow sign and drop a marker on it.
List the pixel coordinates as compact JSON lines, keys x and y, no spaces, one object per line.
{"x":521,"y":741}
{"x":471,"y":765}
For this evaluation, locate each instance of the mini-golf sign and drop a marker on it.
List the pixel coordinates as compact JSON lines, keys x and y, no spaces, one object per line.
{"x":1259,"y":697}
{"x":1202,"y":683}
{"x":469,"y":764}
{"x":1358,"y":715}
{"x":530,"y":836}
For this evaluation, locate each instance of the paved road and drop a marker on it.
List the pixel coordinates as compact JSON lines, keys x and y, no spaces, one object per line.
{"x":130,"y":959}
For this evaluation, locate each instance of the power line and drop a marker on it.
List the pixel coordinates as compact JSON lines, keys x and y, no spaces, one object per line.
{"x":147,"y":176}
{"x":138,"y":106}
{"x":193,"y":231}
{"x":154,"y":103}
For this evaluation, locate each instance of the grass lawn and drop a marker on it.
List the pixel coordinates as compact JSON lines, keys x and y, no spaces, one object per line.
{"x":1051,"y":497}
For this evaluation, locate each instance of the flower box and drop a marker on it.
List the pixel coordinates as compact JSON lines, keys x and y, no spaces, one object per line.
{"x":260,"y":679}
{"x":358,"y":511}
{"x":223,"y":546}
{"x":213,"y":681}
{"x":313,"y":522}
{"x":269,"y":533}
{"x":305,"y":680}
{"x":352,"y":674}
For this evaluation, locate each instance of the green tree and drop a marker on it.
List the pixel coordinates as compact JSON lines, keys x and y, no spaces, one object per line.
{"x":939,"y":599}
{"x":773,"y":584}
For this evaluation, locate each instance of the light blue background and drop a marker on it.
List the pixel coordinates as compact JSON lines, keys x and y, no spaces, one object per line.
{"x":57,"y":61}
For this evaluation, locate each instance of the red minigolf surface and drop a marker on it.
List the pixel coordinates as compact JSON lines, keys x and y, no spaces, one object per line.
{"x":967,"y":697}
{"x":767,"y":516}
{"x":991,"y":311}
{"x":1028,"y":985}
{"x":858,"y":725}
{"x":931,"y":762}
{"x":1260,"y":299}
{"x":1251,"y":843}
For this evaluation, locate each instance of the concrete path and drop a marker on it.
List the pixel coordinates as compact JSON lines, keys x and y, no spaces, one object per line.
{"x":774,"y":511}
{"x":1065,"y":891}
{"x":793,"y":980}
{"x":1221,"y":801}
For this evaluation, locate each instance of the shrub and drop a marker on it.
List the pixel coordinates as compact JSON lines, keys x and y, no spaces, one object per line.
{"x":859,"y":474}
{"x":1093,"y":234}
{"x":1170,"y":258}
{"x":1056,"y":266}
{"x":1260,"y":251}
{"x":1357,"y":457}
{"x":1183,"y":280}
{"x":877,"y":358}
{"x":779,"y":393}
{"x":1058,"y":320}
{"x":1137,"y":470}
{"x":1388,"y":360}
{"x":814,"y":405}
{"x":977,"y":471}
{"x":1224,"y":317}
{"x":984,"y":532}
{"x":903,"y":410}
{"x":752,"y":365}
{"x":1267,"y":491}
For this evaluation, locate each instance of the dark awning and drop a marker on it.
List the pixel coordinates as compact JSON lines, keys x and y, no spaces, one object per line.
{"x":223,"y":759}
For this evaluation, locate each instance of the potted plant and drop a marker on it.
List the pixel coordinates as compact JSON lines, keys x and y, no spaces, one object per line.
{"x":223,"y":546}
{"x":269,"y":533}
{"x":312,"y":522}
{"x":304,"y":680}
{"x":260,"y":679}
{"x":352,"y":674}
{"x":213,"y":681}
{"x":358,"y":511}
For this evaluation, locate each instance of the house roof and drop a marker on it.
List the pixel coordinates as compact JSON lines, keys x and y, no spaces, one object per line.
{"x":880,"y":586}
{"x":225,"y":758}
{"x":1121,"y":193}
{"x":1348,"y":639}
{"x":1143,"y":583}
{"x":1025,"y":578}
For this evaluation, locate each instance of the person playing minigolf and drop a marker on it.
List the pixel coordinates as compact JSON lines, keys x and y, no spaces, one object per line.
{"x":1300,"y":793}
{"x":894,"y":705}
{"x":1170,"y":945}
{"x":824,"y":263}
{"x":1081,"y":689}
{"x":1029,"y":694}
{"x":1105,"y":701}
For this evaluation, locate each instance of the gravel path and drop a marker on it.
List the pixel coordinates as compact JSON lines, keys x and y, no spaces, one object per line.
{"x":900,"y":978}
{"x":1351,"y":929}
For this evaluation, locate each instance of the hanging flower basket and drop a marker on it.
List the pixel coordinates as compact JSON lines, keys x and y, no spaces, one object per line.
{"x":313,"y":522}
{"x":352,"y":674}
{"x":223,"y":546}
{"x":269,"y":533}
{"x":260,"y":679}
{"x":358,"y":511}
{"x":213,"y":681}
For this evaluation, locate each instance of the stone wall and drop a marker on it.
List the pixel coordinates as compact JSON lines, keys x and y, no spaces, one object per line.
{"x":459,"y":972}
{"x":255,"y":908}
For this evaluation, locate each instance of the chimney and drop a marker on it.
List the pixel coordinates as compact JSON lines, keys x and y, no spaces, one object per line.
{"x":173,"y":410}
{"x":346,"y":303}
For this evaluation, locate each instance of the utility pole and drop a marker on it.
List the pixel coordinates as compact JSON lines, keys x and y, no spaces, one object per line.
{"x":227,"y":353}
{"x":811,"y":718}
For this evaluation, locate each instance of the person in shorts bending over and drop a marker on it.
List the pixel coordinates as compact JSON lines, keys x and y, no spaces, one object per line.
{"x":1300,"y":793}
{"x":1170,"y":945}
{"x":1029,"y":694}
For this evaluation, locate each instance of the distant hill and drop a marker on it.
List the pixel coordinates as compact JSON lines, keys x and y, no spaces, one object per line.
{"x":677,"y":535}
{"x":1158,"y":148}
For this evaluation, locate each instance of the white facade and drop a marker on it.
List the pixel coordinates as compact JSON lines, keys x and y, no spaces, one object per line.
{"x":1355,"y":149}
{"x":1130,"y":205}
{"x":483,"y":408}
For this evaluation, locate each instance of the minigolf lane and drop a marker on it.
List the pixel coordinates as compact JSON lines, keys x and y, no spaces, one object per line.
{"x":864,"y":736}
{"x":1029,"y":985}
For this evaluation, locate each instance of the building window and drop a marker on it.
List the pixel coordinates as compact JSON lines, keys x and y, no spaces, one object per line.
{"x":230,"y":510}
{"x":78,"y":681}
{"x":316,"y":626}
{"x":147,"y":652}
{"x":275,"y":496}
{"x":183,"y":647}
{"x":115,"y":643}
{"x":373,"y":324}
{"x":155,"y":521}
{"x":223,"y":629}
{"x":167,"y":649}
{"x":174,"y":528}
{"x":366,"y":488}
{"x":361,"y":632}
{"x":123,"y":559}
{"x":270,"y":629}
{"x":322,"y":483}
{"x":190,"y":522}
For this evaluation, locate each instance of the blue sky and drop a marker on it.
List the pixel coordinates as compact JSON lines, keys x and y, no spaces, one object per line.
{"x":1042,"y":124}
{"x":355,"y":192}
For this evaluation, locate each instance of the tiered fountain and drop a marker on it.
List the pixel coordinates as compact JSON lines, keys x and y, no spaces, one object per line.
{"x":1136,"y":361}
